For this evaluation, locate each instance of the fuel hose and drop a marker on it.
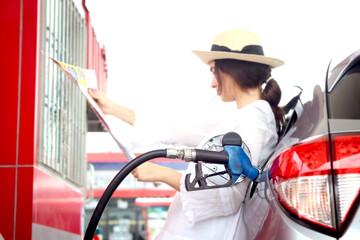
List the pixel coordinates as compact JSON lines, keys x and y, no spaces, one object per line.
{"x":126,"y":170}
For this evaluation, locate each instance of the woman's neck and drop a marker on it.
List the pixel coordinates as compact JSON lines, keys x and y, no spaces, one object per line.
{"x":246,"y":97}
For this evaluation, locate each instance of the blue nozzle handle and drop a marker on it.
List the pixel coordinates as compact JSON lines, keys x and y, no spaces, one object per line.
{"x":239,"y":163}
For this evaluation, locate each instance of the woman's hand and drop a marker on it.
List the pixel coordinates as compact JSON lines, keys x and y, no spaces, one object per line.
{"x":148,"y":172}
{"x":151,"y":172}
{"x":105,"y":103}
{"x":107,"y":106}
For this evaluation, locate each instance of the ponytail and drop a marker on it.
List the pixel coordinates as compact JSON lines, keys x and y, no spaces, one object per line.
{"x":272,"y":94}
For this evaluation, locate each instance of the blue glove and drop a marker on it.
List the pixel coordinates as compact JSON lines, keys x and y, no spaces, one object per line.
{"x":239,"y":163}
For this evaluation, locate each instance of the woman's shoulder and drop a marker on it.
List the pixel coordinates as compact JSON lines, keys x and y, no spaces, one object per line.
{"x":256,"y":115}
{"x":259,"y":107}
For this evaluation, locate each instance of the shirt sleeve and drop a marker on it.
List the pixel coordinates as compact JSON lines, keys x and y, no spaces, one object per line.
{"x":151,"y":128}
{"x":259,"y":133}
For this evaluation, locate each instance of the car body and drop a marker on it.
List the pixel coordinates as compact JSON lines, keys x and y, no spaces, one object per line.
{"x":310,"y":185}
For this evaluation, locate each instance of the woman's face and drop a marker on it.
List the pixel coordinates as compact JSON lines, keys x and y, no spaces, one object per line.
{"x":228,"y":85}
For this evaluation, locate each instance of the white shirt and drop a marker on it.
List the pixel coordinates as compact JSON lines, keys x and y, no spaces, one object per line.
{"x":214,"y":213}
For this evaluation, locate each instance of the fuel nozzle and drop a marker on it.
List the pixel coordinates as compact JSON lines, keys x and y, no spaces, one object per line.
{"x":206,"y":156}
{"x":200,"y":156}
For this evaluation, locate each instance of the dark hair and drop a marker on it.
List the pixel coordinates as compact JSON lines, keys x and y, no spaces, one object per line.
{"x":253,"y":75}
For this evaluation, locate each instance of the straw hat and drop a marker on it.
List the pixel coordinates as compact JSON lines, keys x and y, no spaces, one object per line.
{"x":240,"y":45}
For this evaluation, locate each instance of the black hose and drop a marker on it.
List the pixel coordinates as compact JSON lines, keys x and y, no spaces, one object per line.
{"x":128,"y":168}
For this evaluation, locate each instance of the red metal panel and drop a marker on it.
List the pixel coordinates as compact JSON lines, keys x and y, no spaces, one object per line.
{"x":152,"y":204}
{"x":7,"y":202}
{"x":133,"y":193}
{"x":28,"y":101}
{"x":9,"y":75}
{"x":56,"y":204}
{"x":120,"y":157}
{"x":106,"y":157}
{"x":103,"y":71}
{"x":24,"y":203}
{"x":96,"y":56}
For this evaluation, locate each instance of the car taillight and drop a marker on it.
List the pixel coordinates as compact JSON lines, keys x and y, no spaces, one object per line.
{"x":346,"y":164}
{"x":302,"y":178}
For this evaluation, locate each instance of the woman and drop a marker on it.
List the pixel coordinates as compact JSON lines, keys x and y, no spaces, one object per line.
{"x":241,"y":73}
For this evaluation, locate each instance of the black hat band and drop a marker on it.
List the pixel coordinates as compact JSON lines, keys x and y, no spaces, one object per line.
{"x":249,"y":49}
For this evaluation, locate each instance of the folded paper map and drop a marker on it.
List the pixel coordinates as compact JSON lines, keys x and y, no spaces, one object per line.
{"x":85,"y":79}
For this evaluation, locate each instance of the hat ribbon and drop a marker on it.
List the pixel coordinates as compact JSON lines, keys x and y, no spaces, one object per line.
{"x":249,"y":49}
